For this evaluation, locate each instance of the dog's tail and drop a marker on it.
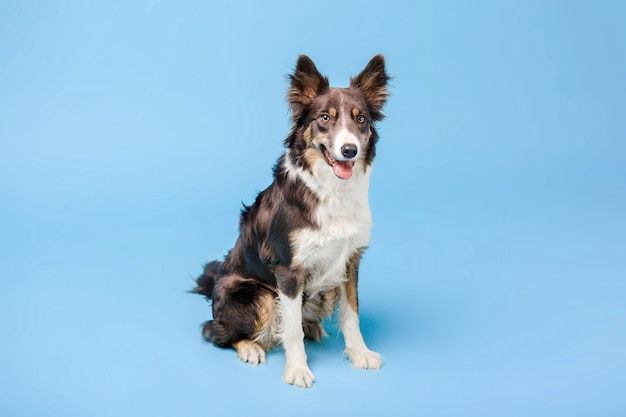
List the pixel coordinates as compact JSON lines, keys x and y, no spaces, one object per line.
{"x":206,"y":282}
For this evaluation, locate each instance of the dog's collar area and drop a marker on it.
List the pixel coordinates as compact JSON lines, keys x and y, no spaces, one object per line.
{"x":342,"y":169}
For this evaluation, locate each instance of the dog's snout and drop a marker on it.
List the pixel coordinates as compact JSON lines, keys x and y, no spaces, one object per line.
{"x":349,"y":150}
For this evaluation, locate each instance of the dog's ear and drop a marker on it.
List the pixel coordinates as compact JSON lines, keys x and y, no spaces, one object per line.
{"x":372,"y":81}
{"x":306,"y":83}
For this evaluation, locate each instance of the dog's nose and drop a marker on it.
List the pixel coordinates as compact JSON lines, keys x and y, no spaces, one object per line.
{"x":349,"y":150}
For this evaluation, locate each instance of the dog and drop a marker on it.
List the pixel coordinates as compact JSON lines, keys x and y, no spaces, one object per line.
{"x":297,"y":256}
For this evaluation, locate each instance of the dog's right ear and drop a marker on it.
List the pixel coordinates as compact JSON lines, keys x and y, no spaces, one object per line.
{"x":306,"y":84}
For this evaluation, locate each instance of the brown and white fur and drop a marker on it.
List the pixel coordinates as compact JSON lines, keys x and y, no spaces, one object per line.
{"x":297,"y":256}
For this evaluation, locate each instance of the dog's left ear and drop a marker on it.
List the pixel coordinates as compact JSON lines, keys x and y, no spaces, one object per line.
{"x":372,"y":81}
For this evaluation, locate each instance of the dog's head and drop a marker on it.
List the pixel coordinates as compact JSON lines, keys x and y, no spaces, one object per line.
{"x":335,"y":125}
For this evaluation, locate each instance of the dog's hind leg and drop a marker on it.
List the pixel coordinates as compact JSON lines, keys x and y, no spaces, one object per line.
{"x":243,"y":311}
{"x":314,"y":310}
{"x":250,"y":352}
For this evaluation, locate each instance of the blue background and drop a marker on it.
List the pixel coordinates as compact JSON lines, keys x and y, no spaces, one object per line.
{"x":131,"y":132}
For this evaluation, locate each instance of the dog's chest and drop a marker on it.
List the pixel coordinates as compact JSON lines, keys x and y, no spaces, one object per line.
{"x":344,"y":227}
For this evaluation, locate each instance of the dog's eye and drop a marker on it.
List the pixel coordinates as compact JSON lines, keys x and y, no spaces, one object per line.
{"x":360,"y":118}
{"x":324,"y":117}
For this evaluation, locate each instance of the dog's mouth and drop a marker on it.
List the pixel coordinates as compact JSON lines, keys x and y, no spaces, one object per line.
{"x":342,"y":169}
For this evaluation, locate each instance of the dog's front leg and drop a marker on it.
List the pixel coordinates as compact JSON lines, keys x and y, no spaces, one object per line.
{"x":359,"y":354}
{"x":290,"y":282}
{"x":297,"y":370}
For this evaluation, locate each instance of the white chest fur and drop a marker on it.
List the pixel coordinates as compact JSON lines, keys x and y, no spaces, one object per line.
{"x":344,"y":221}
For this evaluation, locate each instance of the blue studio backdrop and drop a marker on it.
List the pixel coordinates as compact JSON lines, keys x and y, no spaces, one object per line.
{"x":132,"y":131}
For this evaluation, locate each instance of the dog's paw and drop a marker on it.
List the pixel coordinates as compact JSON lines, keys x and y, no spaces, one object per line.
{"x":313,"y":331}
{"x":365,"y":359}
{"x":300,"y":376}
{"x":249,"y":351}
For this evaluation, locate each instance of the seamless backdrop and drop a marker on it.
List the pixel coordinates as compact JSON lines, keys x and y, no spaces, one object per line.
{"x":132,"y":131}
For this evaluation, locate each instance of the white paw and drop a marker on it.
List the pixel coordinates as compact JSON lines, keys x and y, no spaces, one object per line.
{"x":250,"y":352}
{"x":365,"y":359}
{"x":300,"y":376}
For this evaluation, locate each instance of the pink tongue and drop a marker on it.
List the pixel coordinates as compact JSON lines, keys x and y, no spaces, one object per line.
{"x":343,"y":169}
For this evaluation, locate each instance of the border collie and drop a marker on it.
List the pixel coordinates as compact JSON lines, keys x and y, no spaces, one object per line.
{"x":297,"y":256}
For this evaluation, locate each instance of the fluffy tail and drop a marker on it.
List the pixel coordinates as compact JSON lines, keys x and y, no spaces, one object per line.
{"x":206,"y":282}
